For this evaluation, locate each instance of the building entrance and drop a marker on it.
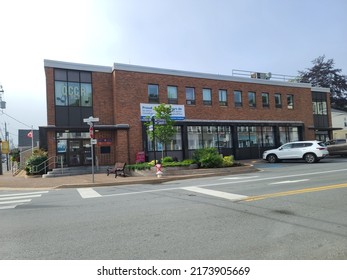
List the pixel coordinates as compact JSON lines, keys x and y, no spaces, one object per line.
{"x":79,"y":153}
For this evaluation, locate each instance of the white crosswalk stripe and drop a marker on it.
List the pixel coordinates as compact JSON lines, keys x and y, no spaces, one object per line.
{"x":11,"y":201}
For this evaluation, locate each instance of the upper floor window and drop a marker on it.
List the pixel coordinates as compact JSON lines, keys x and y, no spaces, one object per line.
{"x":319,"y":107}
{"x":73,"y":88}
{"x":265,"y":99}
{"x":290,"y":101}
{"x":172,"y":95}
{"x":251,"y":99}
{"x":278,"y":100}
{"x":223,"y":101}
{"x":207,"y":96}
{"x":153,"y":93}
{"x":190,"y":95}
{"x":238,"y":98}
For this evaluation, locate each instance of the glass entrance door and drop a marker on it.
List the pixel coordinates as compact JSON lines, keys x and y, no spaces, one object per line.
{"x":79,"y":153}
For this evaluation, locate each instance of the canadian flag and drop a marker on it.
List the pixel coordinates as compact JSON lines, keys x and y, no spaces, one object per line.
{"x":30,"y":134}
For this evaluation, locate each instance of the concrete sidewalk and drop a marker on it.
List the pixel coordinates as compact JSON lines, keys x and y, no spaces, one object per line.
{"x":9,"y":182}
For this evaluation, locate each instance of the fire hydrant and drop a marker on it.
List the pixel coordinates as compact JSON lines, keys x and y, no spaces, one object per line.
{"x":159,"y":171}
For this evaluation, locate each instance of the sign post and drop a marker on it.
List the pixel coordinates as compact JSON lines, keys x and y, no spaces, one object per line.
{"x":91,"y":120}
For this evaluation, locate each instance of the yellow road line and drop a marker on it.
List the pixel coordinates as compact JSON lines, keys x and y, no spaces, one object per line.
{"x":307,"y":190}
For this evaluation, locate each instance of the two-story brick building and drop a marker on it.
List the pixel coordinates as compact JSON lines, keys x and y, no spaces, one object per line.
{"x":241,"y":116}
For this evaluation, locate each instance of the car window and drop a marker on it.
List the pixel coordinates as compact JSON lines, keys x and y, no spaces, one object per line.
{"x":308,"y":144}
{"x":287,"y":146}
{"x":321,"y":144}
{"x":298,"y":145}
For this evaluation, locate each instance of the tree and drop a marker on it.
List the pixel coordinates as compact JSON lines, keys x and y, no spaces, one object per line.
{"x":323,"y":74}
{"x":162,"y":132}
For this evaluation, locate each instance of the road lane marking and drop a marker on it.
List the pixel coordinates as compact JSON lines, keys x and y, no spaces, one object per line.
{"x":289,"y":182}
{"x":294,"y":192}
{"x":15,"y":201}
{"x":19,"y":194}
{"x":225,"y":195}
{"x":88,"y":193}
{"x":19,"y":197}
{"x":238,"y":178}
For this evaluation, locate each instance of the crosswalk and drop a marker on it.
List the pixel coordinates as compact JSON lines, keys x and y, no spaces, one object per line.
{"x":10,"y":201}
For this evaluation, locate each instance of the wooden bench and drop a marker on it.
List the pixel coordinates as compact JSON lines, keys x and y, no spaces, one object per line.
{"x":117,"y":170}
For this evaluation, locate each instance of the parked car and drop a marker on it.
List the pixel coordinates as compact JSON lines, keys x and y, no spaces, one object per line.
{"x":310,"y":151}
{"x":337,"y":147}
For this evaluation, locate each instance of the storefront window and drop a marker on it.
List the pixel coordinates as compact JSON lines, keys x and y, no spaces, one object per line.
{"x":210,"y":136}
{"x":268,"y":136}
{"x":225,"y":137}
{"x":194,"y":137}
{"x":175,"y":143}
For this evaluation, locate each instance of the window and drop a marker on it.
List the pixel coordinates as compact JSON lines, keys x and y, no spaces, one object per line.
{"x":319,"y":107}
{"x":223,"y":101}
{"x":153,"y":93}
{"x":251,"y":99}
{"x":194,"y":137}
{"x":290,"y":101}
{"x":238,"y":98}
{"x":278,"y":100}
{"x":73,"y":88}
{"x":172,"y":95}
{"x":190,"y":96}
{"x":207,"y":96}
{"x":247,"y":136}
{"x":265,"y":99}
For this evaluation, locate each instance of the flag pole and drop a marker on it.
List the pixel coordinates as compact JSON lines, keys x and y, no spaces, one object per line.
{"x":32,"y":140}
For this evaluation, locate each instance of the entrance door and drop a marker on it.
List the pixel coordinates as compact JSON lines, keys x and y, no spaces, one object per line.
{"x":79,"y":153}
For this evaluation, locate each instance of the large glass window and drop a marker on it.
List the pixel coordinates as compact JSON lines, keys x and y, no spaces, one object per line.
{"x":194,"y":137}
{"x":247,"y":136}
{"x":251,"y":99}
{"x":207,"y":96}
{"x":223,"y":101}
{"x":73,"y":88}
{"x":210,"y":137}
{"x":319,"y":107}
{"x":153,"y":93}
{"x":268,"y":136}
{"x":238,"y":98}
{"x":288,"y":134}
{"x":176,"y":141}
{"x":190,"y":96}
{"x":172,"y":95}
{"x":224,"y":137}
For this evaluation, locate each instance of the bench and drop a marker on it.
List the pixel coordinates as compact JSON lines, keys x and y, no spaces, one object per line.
{"x":117,"y":170}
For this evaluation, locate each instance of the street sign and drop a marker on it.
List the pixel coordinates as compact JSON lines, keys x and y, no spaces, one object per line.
{"x":91,"y":120}
{"x":93,"y":141}
{"x":91,"y":132}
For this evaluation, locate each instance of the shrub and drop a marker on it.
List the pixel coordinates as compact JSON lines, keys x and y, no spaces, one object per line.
{"x":36,"y":163}
{"x":139,"y":166}
{"x":228,"y":161}
{"x":167,"y":159}
{"x":208,"y":157}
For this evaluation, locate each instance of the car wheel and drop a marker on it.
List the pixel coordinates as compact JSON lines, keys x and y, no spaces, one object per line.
{"x":271,"y":158}
{"x":310,"y":158}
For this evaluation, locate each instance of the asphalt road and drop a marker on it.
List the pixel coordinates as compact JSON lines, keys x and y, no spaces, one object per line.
{"x":289,"y":210}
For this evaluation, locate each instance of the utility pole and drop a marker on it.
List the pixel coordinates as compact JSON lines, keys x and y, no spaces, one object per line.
{"x":2,"y":106}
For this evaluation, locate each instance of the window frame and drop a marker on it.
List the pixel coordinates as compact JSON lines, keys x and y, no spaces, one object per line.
{"x":154,"y":98}
{"x":278,"y":97}
{"x":172,"y":100}
{"x":290,"y":101}
{"x":190,"y":101}
{"x":265,"y":95}
{"x":207,"y":96}
{"x":237,"y":93}
{"x":223,"y":97}
{"x":252,"y":102}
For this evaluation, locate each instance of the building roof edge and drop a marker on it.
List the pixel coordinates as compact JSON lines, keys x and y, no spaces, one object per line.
{"x":76,"y":66}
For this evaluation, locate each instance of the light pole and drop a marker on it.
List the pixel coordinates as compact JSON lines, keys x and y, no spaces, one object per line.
{"x":91,"y":120}
{"x":2,"y":106}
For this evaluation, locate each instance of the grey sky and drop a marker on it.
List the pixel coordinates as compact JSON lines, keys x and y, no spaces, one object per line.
{"x":212,"y":36}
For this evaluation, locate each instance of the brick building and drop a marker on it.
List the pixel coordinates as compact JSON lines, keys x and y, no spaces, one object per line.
{"x":241,"y":116}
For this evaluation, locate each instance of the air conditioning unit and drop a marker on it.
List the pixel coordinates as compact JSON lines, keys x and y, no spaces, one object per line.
{"x":262,"y":76}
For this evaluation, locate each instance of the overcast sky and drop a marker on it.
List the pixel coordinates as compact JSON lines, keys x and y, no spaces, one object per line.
{"x":211,"y":36}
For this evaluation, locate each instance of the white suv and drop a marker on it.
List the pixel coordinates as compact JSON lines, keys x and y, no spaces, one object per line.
{"x":310,"y":151}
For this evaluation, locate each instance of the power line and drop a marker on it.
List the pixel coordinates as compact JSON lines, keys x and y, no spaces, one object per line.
{"x":16,"y":120}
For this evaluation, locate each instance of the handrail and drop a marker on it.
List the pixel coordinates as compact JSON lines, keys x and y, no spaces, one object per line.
{"x":35,"y":168}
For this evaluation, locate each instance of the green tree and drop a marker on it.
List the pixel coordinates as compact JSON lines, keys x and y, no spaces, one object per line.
{"x":324,"y":74}
{"x":163,"y":133}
